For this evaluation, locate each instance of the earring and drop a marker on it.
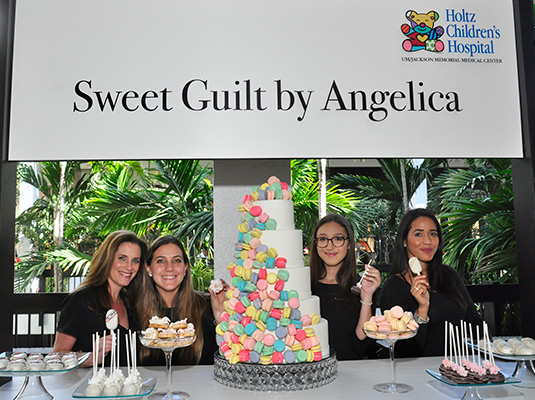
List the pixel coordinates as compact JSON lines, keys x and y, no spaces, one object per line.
{"x":405,"y":245}
{"x":150,"y":275}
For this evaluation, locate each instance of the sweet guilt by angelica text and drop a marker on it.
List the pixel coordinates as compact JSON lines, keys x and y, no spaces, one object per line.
{"x":198,"y":95}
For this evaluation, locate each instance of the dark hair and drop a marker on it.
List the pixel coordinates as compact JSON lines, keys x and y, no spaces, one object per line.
{"x":439,"y":279}
{"x":101,"y":263}
{"x":186,"y":304}
{"x":347,"y":274}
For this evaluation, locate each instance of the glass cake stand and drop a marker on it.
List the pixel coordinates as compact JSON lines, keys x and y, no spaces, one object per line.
{"x":168,"y":346}
{"x":524,"y":369}
{"x":471,"y":388}
{"x":33,"y":387}
{"x":276,"y":377}
{"x":390,"y":338}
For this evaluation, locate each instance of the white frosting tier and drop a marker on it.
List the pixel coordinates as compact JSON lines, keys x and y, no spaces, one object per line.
{"x":322,"y":332}
{"x":281,"y":211}
{"x":289,"y":244}
{"x":310,"y":305}
{"x":299,"y":280}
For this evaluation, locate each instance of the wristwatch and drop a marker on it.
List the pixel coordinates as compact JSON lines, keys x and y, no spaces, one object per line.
{"x":419,"y":320}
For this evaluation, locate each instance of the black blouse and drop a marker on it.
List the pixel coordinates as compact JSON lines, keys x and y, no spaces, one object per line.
{"x":342,"y":311}
{"x":430,"y":338}
{"x":80,"y":317}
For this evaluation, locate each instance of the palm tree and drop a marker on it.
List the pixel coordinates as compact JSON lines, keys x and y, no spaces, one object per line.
{"x":172,"y":197}
{"x":169,"y":196}
{"x":383,"y":199}
{"x":63,"y":189}
{"x":478,"y":219}
{"x":305,"y":187}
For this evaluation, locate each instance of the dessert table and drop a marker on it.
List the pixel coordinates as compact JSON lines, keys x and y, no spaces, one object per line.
{"x":355,"y":380}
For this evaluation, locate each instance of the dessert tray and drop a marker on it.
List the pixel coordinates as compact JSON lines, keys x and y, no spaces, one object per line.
{"x":147,"y":387}
{"x":437,"y":375}
{"x":33,"y":387}
{"x":82,"y":357}
{"x":508,"y":357}
{"x":524,"y":369}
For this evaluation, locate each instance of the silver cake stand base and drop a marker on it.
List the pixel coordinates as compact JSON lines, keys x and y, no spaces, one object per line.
{"x":276,"y":377}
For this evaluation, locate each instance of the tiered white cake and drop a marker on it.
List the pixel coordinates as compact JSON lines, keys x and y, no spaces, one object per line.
{"x":271,"y":316}
{"x":289,"y":243}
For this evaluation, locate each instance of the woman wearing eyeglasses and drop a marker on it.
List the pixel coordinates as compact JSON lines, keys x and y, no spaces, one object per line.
{"x":333,"y":269}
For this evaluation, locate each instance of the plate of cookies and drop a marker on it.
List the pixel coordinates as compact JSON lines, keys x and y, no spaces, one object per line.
{"x":162,"y":333}
{"x":28,"y":364}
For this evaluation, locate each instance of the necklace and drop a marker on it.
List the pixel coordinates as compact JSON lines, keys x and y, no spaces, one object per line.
{"x":325,"y":280}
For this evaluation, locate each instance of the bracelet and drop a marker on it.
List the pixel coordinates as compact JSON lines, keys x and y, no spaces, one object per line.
{"x":419,"y":320}
{"x":366,"y":304}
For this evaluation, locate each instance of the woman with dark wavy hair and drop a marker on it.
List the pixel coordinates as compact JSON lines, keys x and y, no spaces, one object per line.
{"x":435,"y":295}
{"x":167,"y":290}
{"x":110,"y":284}
{"x":333,"y":269}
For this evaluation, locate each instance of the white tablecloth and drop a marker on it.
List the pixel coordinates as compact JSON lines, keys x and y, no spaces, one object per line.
{"x":355,"y":381}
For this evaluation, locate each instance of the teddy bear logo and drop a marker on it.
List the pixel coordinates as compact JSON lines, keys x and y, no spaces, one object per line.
{"x":422,"y":33}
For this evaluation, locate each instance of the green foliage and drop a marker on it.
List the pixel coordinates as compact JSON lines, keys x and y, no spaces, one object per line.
{"x":381,"y":202}
{"x":305,"y":187}
{"x":202,"y":274}
{"x":478,"y":220}
{"x":151,"y":199}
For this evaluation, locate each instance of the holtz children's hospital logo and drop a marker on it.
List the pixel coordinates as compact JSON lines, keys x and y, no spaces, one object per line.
{"x":422,"y":33}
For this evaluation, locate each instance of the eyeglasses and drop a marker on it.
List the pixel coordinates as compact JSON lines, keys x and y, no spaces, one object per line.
{"x":337,"y":241}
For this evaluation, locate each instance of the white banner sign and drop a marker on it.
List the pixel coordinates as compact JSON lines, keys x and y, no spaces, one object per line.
{"x":209,"y":79}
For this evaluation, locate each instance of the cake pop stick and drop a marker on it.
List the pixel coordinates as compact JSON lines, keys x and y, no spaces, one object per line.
{"x":126,"y":346}
{"x":445,"y":340}
{"x":458,"y":345}
{"x":478,"y":347}
{"x":118,"y":351}
{"x":103,"y":352}
{"x":465,"y":338}
{"x":451,"y":343}
{"x":472,"y":341}
{"x":93,"y":338}
{"x":487,"y":342}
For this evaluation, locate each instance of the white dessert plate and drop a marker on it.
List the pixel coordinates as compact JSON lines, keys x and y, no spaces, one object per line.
{"x":437,"y":375}
{"x":508,"y":357}
{"x":44,"y":372}
{"x":147,"y":387}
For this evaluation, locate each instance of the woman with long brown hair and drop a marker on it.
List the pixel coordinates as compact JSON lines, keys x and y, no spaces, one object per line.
{"x":167,"y":290}
{"x":108,"y":285}
{"x":333,"y":270}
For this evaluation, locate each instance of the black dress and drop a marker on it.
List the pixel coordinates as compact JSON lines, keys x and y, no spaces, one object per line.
{"x":342,"y":311}
{"x":81,"y":316}
{"x":157,"y":356}
{"x":430,"y":338}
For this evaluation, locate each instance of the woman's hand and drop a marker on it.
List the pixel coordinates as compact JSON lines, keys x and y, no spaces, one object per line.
{"x":218,"y":300}
{"x":420,"y":292}
{"x":371,"y":280}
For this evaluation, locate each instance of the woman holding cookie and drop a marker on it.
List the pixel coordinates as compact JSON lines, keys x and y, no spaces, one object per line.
{"x":419,"y":282}
{"x":167,"y":291}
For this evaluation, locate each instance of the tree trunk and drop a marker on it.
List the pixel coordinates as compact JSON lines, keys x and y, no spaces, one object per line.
{"x":322,"y":187}
{"x":404,"y":185}
{"x":59,"y":214}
